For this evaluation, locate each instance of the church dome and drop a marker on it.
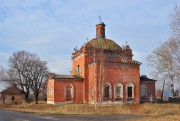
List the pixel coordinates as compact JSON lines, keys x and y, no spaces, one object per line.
{"x":100,"y":42}
{"x":103,"y":43}
{"x":102,"y":23}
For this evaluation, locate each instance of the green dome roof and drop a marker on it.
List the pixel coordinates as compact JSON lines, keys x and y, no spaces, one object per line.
{"x":102,"y":23}
{"x":103,"y":43}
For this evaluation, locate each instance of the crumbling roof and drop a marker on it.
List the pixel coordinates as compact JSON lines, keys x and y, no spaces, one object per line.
{"x":145,"y":78}
{"x":136,"y":62}
{"x":13,"y":90}
{"x":59,"y":76}
{"x":103,"y":43}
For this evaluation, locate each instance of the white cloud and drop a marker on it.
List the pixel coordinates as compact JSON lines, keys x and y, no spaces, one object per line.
{"x":60,"y":65}
{"x":4,"y":58}
{"x":53,"y":28}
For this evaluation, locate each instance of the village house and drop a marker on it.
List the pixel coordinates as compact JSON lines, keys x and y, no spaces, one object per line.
{"x":11,"y":95}
{"x":102,"y":72}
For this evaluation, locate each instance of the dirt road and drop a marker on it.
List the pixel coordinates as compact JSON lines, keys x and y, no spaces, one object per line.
{"x":6,"y":115}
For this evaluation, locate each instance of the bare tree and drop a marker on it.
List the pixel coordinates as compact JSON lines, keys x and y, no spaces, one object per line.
{"x":16,"y":73}
{"x":43,"y":90}
{"x":26,"y":71}
{"x":175,"y":22}
{"x":37,"y":71}
{"x":175,"y":30}
{"x":166,"y":60}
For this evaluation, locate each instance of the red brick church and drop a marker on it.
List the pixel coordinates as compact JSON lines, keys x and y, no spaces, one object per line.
{"x":102,"y":72}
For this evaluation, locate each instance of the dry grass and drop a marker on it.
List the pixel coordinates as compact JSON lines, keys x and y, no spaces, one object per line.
{"x":44,"y":108}
{"x":159,"y":118}
{"x":155,"y":112}
{"x":160,"y":112}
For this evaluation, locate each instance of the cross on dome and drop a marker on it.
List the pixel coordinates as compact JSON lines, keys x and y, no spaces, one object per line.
{"x":126,"y":42}
{"x":100,"y":19}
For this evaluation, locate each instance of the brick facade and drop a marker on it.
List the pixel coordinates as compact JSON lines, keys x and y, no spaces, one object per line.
{"x":102,"y":71}
{"x":147,"y":89}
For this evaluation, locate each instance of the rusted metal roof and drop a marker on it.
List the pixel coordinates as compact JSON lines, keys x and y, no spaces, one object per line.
{"x":103,"y":43}
{"x":145,"y":78}
{"x":101,"y":23}
{"x":59,"y":76}
{"x":12,"y":91}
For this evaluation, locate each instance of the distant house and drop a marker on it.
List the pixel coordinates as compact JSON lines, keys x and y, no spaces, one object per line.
{"x":147,"y":88}
{"x":11,"y":95}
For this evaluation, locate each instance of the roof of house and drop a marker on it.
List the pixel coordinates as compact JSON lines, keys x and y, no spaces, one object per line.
{"x":145,"y":78}
{"x":13,"y":90}
{"x":59,"y":76}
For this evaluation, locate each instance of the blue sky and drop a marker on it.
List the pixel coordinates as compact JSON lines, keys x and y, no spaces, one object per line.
{"x":52,"y":28}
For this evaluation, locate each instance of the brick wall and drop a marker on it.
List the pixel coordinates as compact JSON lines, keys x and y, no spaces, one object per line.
{"x":108,"y":74}
{"x":12,"y":99}
{"x":109,"y":68}
{"x":150,"y":88}
{"x":81,"y":62}
{"x":59,"y":90}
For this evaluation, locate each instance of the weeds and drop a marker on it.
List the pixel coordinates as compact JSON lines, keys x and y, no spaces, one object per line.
{"x":155,"y":111}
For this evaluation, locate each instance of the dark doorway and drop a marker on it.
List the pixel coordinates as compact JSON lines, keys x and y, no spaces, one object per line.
{"x":106,"y":91}
{"x":129,"y":91}
{"x":12,"y":98}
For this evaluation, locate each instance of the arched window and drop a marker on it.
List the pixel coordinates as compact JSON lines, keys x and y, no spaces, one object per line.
{"x":118,"y":90}
{"x":69,"y":92}
{"x":107,"y":91}
{"x":78,"y":70}
{"x":130,"y":90}
{"x":143,"y":90}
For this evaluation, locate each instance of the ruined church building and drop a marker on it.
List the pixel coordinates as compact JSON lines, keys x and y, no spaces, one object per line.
{"x":102,"y":72}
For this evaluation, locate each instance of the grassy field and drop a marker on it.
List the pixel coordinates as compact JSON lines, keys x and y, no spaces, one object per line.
{"x":154,"y":112}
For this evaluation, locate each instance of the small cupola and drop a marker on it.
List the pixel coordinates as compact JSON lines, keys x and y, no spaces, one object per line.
{"x":100,"y":29}
{"x":127,"y":47}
